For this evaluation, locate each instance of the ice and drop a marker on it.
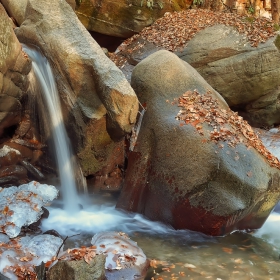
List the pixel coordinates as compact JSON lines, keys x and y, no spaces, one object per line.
{"x":121,"y":251}
{"x":22,"y":206}
{"x":4,"y":238}
{"x":27,"y":251}
{"x":44,"y":246}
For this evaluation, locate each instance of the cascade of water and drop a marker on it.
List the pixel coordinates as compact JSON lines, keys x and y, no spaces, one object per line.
{"x":44,"y":78}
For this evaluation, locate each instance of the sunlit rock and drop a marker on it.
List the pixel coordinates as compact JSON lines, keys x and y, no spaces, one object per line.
{"x":21,"y":206}
{"x":95,"y":94}
{"x":197,"y":166}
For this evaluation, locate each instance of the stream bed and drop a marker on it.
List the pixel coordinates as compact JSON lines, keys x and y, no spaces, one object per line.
{"x":175,"y":254}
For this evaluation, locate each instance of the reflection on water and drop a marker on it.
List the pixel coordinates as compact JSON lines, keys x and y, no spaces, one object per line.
{"x":177,"y":254}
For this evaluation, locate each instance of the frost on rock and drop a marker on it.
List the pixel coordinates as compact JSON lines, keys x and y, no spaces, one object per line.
{"x":121,"y":251}
{"x":22,"y":254}
{"x":22,"y":206}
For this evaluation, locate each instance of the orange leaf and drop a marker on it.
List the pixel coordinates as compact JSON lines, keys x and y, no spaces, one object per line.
{"x":227,"y":250}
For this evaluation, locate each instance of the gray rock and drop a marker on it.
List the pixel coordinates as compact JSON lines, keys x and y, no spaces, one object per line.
{"x":239,"y":72}
{"x":180,"y":177}
{"x":78,"y":270}
{"x":265,"y":111}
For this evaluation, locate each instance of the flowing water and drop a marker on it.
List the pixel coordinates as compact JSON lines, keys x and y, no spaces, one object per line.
{"x":45,"y":84}
{"x":176,"y":254}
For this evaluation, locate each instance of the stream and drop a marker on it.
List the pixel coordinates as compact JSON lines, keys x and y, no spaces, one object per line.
{"x":175,"y":254}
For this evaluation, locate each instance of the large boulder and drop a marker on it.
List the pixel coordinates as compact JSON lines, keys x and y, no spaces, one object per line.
{"x":247,"y":77}
{"x":239,"y":72}
{"x":195,"y":165}
{"x":14,"y":66}
{"x":124,"y":18}
{"x":95,"y":94}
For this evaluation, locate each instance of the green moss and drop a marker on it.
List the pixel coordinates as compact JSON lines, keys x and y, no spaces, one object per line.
{"x":276,"y":27}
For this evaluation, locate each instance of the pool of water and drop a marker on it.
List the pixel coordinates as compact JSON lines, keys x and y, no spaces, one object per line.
{"x":176,"y":254}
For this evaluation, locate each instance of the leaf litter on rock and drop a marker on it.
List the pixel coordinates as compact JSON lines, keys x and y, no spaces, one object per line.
{"x":233,"y":129}
{"x":186,"y":24}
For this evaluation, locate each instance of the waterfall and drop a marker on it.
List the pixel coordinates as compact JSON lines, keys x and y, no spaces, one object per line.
{"x":42,"y":80}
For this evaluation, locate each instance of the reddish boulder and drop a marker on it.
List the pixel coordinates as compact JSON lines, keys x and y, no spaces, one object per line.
{"x":196,"y":165}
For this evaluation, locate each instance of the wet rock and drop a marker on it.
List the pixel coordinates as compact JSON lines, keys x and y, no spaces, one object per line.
{"x":40,"y":271}
{"x":23,"y":150}
{"x":8,"y":181}
{"x":34,"y":172}
{"x":16,"y":170}
{"x":24,"y":126}
{"x":2,"y":277}
{"x":9,"y":156}
{"x":12,"y":174}
{"x":124,"y":258}
{"x":53,"y":232}
{"x":78,"y":270}
{"x":181,"y":175}
{"x":123,"y":19}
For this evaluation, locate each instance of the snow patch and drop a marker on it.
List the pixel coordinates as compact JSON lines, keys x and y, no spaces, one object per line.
{"x":22,"y":206}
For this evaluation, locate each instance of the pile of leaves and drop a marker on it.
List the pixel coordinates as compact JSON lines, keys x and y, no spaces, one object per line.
{"x":173,"y":31}
{"x":226,"y":126}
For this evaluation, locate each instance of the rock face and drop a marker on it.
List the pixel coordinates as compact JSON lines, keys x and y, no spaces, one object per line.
{"x":95,"y":94}
{"x":124,"y":18}
{"x":200,"y":173}
{"x":14,"y":66}
{"x":79,"y":270}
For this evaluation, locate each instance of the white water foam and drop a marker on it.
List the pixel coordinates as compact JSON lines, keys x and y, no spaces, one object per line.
{"x":270,"y":231}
